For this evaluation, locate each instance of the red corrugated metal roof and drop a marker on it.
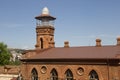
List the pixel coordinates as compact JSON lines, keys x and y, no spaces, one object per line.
{"x":79,"y":52}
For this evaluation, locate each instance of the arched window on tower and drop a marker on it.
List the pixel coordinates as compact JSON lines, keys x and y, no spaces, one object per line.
{"x":68,"y":75}
{"x":41,"y":43}
{"x":93,"y":75}
{"x":34,"y":74}
{"x":54,"y":75}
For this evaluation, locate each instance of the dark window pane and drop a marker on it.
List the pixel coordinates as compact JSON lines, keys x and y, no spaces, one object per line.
{"x":93,"y":75}
{"x":34,"y":74}
{"x":69,"y":75}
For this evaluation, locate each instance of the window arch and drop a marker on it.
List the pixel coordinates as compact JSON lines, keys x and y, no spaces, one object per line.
{"x":34,"y":74}
{"x":41,"y":43}
{"x":54,"y":74}
{"x":93,"y":75}
{"x":68,"y":75}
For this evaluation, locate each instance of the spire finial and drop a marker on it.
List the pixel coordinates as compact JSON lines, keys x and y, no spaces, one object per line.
{"x":45,"y":11}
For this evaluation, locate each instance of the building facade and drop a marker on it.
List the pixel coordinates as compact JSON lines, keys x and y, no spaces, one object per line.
{"x":48,"y":62}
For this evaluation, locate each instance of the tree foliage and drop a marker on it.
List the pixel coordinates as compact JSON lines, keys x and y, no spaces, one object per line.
{"x":4,"y":54}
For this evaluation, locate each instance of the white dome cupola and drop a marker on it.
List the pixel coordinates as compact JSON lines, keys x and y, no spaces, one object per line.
{"x":45,"y":19}
{"x":45,"y":11}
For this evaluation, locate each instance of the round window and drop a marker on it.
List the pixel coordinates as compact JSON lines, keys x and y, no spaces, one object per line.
{"x":80,"y":71}
{"x":43,"y":69}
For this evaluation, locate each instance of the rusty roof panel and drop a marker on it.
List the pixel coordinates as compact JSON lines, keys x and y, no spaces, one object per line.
{"x":79,"y":52}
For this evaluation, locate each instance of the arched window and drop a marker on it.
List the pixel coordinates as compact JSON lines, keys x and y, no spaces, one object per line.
{"x":54,"y":75}
{"x":34,"y":74}
{"x":68,"y":75}
{"x":41,"y":43}
{"x":93,"y":75}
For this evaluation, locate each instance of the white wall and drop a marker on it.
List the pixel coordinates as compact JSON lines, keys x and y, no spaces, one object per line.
{"x":7,"y":76}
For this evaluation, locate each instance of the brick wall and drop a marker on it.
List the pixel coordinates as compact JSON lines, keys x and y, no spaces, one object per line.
{"x":104,"y":72}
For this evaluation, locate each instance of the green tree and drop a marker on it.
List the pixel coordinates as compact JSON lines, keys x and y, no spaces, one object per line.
{"x":4,"y":54}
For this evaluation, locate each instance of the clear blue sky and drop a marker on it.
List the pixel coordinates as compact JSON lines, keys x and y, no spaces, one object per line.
{"x":78,"y":21}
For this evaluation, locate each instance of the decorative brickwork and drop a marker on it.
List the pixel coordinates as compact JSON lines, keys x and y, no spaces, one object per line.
{"x":104,"y":72}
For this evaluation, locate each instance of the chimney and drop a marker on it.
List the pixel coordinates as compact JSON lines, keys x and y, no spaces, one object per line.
{"x":98,"y":42}
{"x":66,"y":44}
{"x":118,"y":41}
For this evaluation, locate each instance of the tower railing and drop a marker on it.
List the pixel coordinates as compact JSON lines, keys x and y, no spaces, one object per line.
{"x":45,"y":23}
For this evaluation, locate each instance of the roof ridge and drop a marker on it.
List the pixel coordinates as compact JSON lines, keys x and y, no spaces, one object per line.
{"x":88,"y":46}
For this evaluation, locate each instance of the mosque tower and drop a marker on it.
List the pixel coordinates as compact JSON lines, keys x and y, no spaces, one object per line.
{"x":45,"y":30}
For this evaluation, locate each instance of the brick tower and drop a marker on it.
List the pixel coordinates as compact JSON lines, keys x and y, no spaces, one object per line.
{"x":45,"y":30}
